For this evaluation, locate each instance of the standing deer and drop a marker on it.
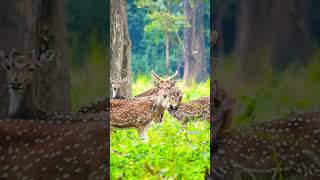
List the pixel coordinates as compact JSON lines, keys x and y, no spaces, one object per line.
{"x":200,"y":109}
{"x":160,"y":83}
{"x":139,"y":113}
{"x":283,"y":147}
{"x":73,"y":147}
{"x":21,"y":68}
{"x":116,"y":83}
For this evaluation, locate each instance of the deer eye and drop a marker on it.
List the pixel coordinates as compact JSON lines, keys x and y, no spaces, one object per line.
{"x":31,"y":69}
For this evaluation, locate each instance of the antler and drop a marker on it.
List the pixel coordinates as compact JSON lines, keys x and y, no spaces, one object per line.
{"x":156,"y":76}
{"x":173,"y":76}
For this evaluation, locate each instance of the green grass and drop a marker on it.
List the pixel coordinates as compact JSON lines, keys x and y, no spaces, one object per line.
{"x":172,"y":151}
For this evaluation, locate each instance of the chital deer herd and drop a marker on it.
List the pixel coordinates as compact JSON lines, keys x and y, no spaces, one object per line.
{"x":35,"y":144}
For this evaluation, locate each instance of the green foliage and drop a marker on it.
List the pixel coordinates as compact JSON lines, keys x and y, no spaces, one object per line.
{"x":84,"y":18}
{"x":274,"y":95}
{"x":148,"y":20}
{"x":165,"y":22}
{"x":171,"y":153}
{"x":88,"y":80}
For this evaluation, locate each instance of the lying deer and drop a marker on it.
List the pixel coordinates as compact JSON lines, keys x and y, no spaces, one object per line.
{"x":21,"y":68}
{"x":139,"y":113}
{"x":75,"y":148}
{"x":283,"y":147}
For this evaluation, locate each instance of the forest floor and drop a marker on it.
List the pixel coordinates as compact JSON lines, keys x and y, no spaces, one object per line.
{"x":172,"y":152}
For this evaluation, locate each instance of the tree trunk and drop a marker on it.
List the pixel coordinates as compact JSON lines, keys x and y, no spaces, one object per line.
{"x":271,"y":32}
{"x":194,"y":66}
{"x":54,"y":83}
{"x":20,"y":23}
{"x":167,"y":62}
{"x":120,"y":44}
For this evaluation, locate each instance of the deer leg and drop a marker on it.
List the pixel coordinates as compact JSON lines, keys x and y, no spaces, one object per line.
{"x":143,"y":133}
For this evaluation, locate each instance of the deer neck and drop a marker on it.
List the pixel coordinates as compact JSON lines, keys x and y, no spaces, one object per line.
{"x":158,"y":107}
{"x":22,"y":103}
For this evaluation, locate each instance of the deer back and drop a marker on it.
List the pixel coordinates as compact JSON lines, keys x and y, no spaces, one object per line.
{"x":290,"y":146}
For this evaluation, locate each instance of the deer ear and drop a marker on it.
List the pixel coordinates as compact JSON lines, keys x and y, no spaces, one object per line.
{"x":13,"y":53}
{"x":47,"y":56}
{"x":173,"y":79}
{"x":4,"y":60}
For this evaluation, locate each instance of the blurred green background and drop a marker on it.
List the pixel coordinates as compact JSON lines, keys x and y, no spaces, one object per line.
{"x":87,"y":25}
{"x":269,"y":56}
{"x":148,"y":43}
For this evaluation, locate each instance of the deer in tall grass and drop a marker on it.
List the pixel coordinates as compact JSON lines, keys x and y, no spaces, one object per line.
{"x":139,"y":113}
{"x":73,"y":147}
{"x":278,"y":148}
{"x":20,"y":68}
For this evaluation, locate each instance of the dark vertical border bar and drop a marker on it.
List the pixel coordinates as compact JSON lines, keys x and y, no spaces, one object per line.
{"x":108,"y":83}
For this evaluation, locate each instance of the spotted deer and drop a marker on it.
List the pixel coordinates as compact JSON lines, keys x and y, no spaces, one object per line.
{"x":116,"y":83}
{"x":139,"y":113}
{"x":160,"y":83}
{"x":282,"y":147}
{"x":100,"y":105}
{"x":72,"y":147}
{"x":21,"y":68}
{"x":200,"y":109}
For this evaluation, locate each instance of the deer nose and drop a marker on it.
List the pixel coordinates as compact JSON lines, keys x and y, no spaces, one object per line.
{"x":16,"y":85}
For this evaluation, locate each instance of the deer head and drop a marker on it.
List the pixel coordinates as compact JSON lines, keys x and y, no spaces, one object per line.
{"x":116,"y":84}
{"x":175,"y":98}
{"x":160,"y":104}
{"x":164,"y":83}
{"x":20,"y":67}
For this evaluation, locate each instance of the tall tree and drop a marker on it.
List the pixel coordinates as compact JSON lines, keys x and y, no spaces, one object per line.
{"x":275,"y":32}
{"x":39,"y":25}
{"x":120,"y":44}
{"x":194,"y":59}
{"x":164,"y":22}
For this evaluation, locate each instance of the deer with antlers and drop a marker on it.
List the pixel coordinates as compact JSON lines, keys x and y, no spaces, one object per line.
{"x":160,"y":83}
{"x":283,"y":147}
{"x":141,"y":112}
{"x":21,"y":68}
{"x":117,"y":83}
{"x":73,"y":147}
